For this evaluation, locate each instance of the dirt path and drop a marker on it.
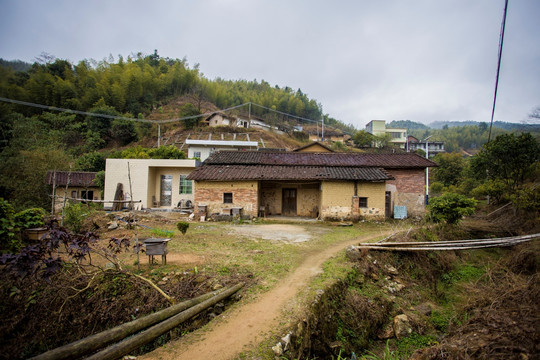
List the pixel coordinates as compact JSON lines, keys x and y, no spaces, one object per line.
{"x":244,"y":327}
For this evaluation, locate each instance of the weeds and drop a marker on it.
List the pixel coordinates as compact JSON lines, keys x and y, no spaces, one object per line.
{"x":162,"y":233}
{"x":387,"y":354}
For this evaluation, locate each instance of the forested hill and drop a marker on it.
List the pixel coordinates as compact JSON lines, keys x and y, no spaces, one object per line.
{"x":496,"y":124}
{"x":136,"y":85}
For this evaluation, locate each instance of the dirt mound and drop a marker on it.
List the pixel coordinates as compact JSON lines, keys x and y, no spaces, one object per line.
{"x":504,"y":315}
{"x":473,"y":304}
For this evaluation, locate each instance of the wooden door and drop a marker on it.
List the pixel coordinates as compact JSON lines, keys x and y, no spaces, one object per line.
{"x":289,"y":202}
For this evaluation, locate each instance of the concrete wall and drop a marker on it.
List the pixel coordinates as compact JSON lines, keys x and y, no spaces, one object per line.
{"x":408,"y":189}
{"x":245,"y":195}
{"x":145,"y":178}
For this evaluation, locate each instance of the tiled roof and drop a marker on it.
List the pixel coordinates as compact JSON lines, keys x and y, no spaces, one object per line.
{"x":387,"y":161}
{"x":76,"y":178}
{"x":210,"y":172}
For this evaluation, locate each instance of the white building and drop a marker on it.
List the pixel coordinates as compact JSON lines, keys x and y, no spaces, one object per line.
{"x":157,"y":183}
{"x":378,"y":128}
{"x":202,"y":149}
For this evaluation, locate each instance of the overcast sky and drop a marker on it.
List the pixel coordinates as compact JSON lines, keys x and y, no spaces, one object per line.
{"x":422,"y":60}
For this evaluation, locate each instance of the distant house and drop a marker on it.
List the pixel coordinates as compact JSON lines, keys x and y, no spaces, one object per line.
{"x":157,"y":183}
{"x":325,"y":185}
{"x":398,"y":136}
{"x":314,"y":147}
{"x":78,"y":184}
{"x":434,"y":147}
{"x":315,"y":133}
{"x":220,"y":119}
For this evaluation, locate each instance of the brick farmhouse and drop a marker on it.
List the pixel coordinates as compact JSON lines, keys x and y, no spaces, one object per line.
{"x":311,"y":184}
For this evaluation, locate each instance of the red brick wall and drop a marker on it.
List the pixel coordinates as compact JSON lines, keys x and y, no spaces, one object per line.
{"x":244,"y":196}
{"x":408,"y":181}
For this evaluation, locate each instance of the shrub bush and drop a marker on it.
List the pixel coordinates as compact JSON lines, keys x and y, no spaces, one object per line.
{"x":8,"y":240}
{"x":74,"y":216}
{"x":182,"y":226}
{"x":29,"y":218}
{"x":450,"y":208}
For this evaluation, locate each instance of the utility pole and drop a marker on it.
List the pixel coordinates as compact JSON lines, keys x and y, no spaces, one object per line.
{"x":158,"y":134}
{"x":427,"y":169}
{"x":322,"y":130}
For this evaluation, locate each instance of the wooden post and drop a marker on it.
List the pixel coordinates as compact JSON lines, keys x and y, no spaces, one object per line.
{"x":65,"y":197}
{"x":134,"y":222}
{"x":53,"y":192}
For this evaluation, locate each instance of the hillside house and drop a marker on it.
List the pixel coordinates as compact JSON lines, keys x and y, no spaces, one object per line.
{"x":158,"y":183}
{"x":317,"y":185}
{"x":78,"y":184}
{"x":220,"y":119}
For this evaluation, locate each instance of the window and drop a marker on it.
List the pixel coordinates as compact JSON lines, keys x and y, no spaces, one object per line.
{"x":186,"y":186}
{"x":197,"y":154}
{"x":74,"y":194}
{"x":88,"y":195}
{"x":362,"y":202}
{"x":396,"y":135}
{"x":227,"y":198}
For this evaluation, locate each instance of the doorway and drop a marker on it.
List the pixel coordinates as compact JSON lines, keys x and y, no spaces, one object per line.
{"x":289,"y":202}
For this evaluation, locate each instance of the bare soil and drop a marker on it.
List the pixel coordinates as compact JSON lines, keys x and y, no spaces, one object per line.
{"x":275,"y":232}
{"x":245,"y":326}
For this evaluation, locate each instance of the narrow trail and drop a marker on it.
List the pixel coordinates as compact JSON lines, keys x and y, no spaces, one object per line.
{"x":242,"y":328}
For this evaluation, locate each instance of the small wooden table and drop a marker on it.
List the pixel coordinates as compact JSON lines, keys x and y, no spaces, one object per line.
{"x":156,"y":246}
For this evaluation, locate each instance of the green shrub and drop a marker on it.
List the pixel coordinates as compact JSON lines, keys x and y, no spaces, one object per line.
{"x":450,"y":208}
{"x":440,"y":320}
{"x":29,"y":218}
{"x":8,"y":240}
{"x":182,"y":226}
{"x":527,"y":199}
{"x":74,"y":216}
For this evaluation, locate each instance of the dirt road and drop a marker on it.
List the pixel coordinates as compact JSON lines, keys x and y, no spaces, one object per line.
{"x":244,"y":327}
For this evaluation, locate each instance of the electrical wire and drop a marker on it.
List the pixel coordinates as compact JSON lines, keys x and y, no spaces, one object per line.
{"x":166,"y":121}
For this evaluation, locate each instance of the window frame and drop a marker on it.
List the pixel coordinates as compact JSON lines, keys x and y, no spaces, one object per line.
{"x":186,"y":186}
{"x":362,"y":201}
{"x":228,"y":198}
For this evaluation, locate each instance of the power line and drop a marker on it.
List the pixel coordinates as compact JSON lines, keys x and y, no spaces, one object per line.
{"x":282,"y":113}
{"x":47,"y":107}
{"x":166,"y":121}
{"x":501,"y":41}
